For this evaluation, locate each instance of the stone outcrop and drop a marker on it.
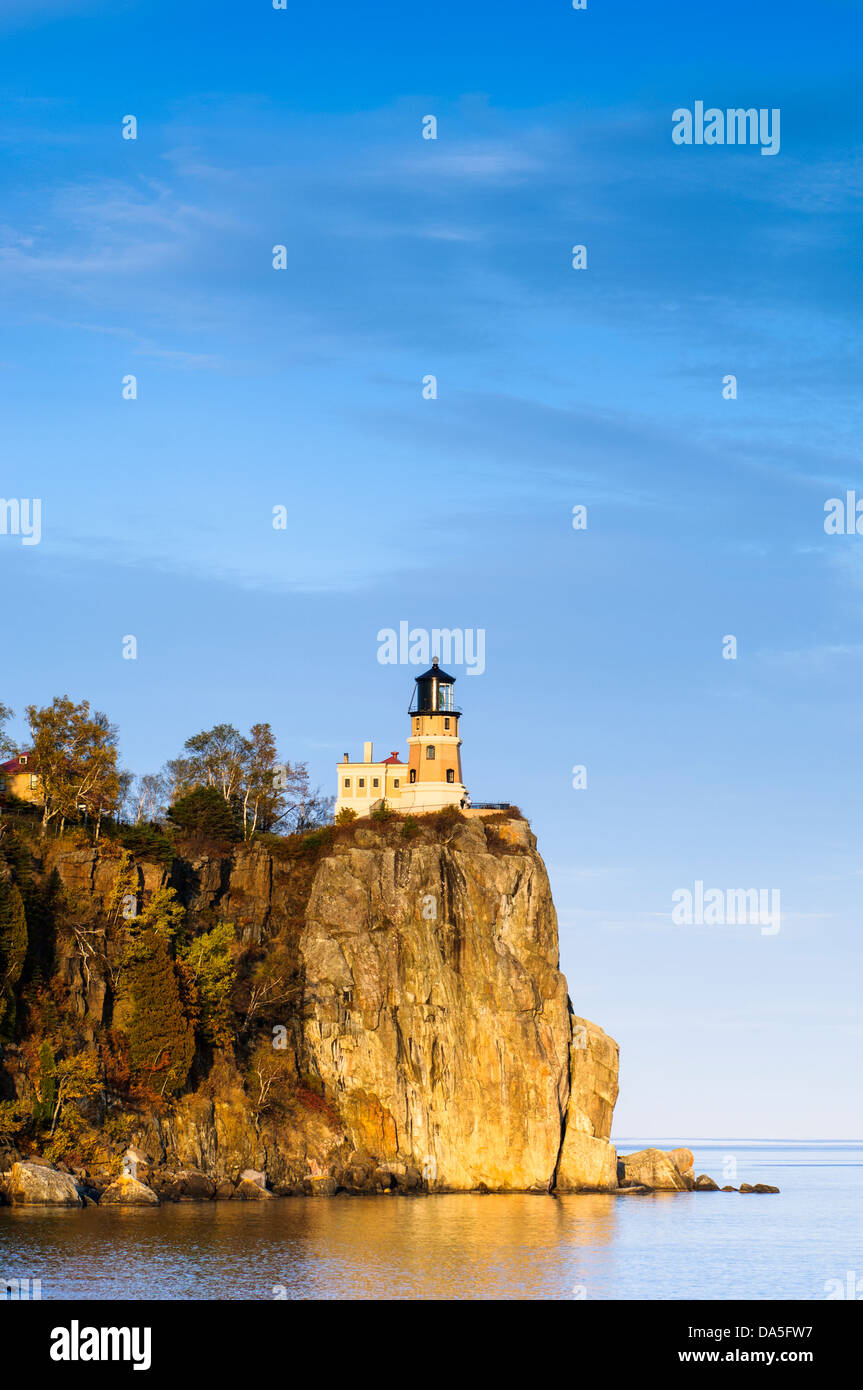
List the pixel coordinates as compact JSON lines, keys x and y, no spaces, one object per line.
{"x":37,"y":1185}
{"x":588,"y":1160}
{"x":436,"y":1012}
{"x":128,"y":1192}
{"x":430,"y":1042}
{"x":652,"y":1168}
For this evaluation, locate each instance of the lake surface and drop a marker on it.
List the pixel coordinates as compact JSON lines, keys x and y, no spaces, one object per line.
{"x":664,"y":1246}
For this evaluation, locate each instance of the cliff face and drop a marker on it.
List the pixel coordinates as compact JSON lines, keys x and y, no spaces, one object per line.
{"x":436,"y":1013}
{"x":426,"y":1040}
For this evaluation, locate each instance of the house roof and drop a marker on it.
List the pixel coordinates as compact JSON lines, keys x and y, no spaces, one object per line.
{"x":394,"y":760}
{"x":15,"y":765}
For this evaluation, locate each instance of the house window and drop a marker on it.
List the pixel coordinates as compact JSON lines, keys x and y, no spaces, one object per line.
{"x":23,"y":760}
{"x":446,"y":723}
{"x":396,"y":782}
{"x":375,"y":782}
{"x":362,"y":782}
{"x":417,"y":728}
{"x":347,"y":782}
{"x":34,"y":781}
{"x":430,"y":751}
{"x":413,"y":774}
{"x":450,"y":775}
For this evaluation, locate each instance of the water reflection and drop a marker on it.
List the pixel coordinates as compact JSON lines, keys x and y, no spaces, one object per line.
{"x":664,"y":1246}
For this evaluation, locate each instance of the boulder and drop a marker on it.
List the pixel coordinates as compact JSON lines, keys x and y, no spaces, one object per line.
{"x":705,"y":1184}
{"x":249,"y":1191}
{"x":196,"y":1187}
{"x":128,"y":1192}
{"x":745,"y":1187}
{"x":37,"y":1185}
{"x":321,"y":1186}
{"x":728,"y":1189}
{"x":182,"y":1185}
{"x":651,"y":1168}
{"x":683,"y":1160}
{"x":764,"y":1187}
{"x":224,"y":1190}
{"x":588,"y":1160}
{"x":254,"y":1175}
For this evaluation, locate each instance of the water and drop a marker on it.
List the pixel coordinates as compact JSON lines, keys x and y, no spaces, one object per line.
{"x":665,"y":1246}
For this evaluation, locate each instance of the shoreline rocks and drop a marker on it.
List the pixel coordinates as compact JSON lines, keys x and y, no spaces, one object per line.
{"x":128,"y":1192}
{"x":32,"y":1184}
{"x":652,"y":1168}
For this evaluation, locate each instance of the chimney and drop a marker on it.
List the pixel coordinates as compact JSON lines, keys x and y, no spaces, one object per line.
{"x":367,"y":753}
{"x":347,"y":759}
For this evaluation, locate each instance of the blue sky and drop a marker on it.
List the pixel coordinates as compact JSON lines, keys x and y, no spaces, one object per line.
{"x":556,"y":387}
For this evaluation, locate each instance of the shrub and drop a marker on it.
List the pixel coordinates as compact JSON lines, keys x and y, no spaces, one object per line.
{"x":346,"y":815}
{"x":318,"y":840}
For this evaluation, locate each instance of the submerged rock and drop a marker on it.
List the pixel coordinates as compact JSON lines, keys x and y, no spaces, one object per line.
{"x":705,"y":1184}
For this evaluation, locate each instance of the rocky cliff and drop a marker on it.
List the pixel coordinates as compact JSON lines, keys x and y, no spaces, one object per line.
{"x":398,"y":1016}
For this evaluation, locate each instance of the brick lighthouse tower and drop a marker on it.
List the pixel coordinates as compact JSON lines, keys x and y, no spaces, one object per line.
{"x":434,"y":762}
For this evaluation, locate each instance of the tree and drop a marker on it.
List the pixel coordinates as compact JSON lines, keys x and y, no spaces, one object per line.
{"x":75,"y":1078}
{"x":263,"y":781}
{"x":149,"y":1010}
{"x":310,"y":812}
{"x":263,"y":791}
{"x":204,"y":812}
{"x":148,"y":799}
{"x":211,"y":967}
{"x":13,"y":951}
{"x":7,"y":747}
{"x":76,"y":757}
{"x":214,"y":758}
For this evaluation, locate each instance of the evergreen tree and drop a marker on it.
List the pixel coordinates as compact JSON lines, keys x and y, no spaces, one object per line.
{"x":13,"y":952}
{"x":149,"y":1010}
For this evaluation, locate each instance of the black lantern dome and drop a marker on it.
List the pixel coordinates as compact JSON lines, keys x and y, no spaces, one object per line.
{"x":433,"y":693}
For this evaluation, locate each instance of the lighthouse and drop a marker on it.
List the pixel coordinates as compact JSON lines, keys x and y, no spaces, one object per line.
{"x":434,"y":761}
{"x":432,"y":777}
